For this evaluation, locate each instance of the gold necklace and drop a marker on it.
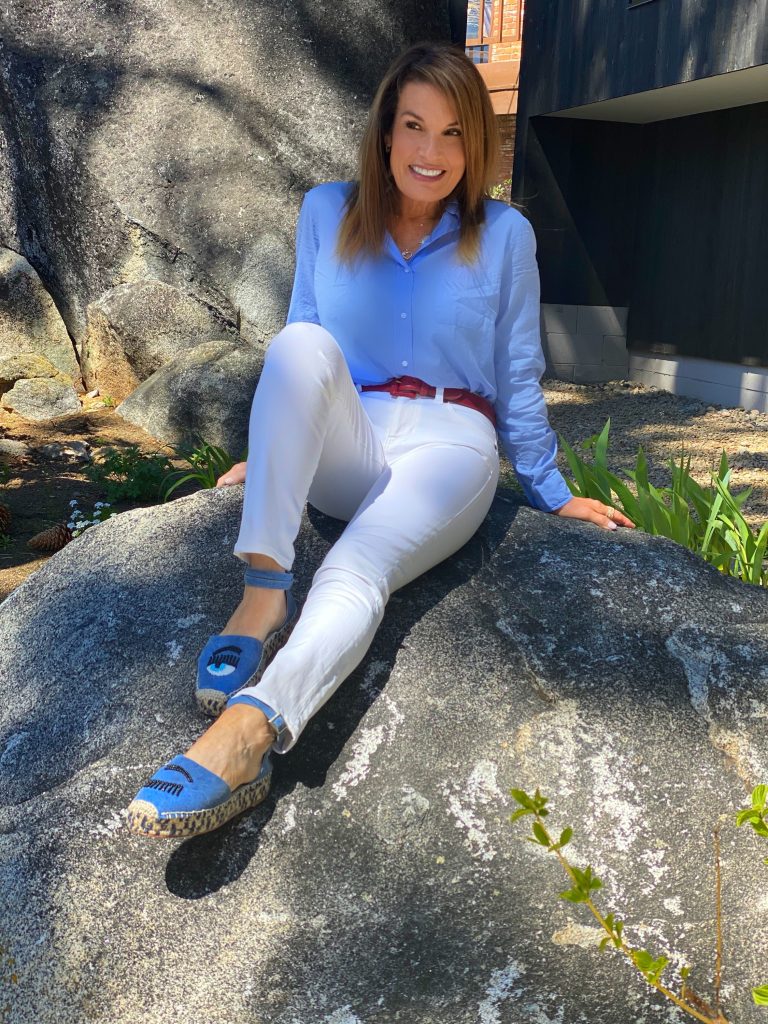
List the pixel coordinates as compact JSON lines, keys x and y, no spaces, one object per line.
{"x":408,"y":252}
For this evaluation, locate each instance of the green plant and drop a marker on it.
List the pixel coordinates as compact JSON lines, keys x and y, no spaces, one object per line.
{"x":584,"y":883}
{"x":127,"y":474}
{"x":5,"y":541}
{"x":501,"y":190}
{"x":207,"y":463}
{"x":78,"y":522}
{"x":108,"y":401}
{"x":706,"y":520}
{"x":756,"y":816}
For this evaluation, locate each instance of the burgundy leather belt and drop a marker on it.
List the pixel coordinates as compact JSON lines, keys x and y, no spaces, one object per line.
{"x":412,"y":387}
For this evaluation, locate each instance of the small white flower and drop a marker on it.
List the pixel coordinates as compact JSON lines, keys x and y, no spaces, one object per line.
{"x":73,"y":502}
{"x":70,"y":526}
{"x":99,"y":504}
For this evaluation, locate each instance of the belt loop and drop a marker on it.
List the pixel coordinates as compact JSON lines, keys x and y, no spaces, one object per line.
{"x":439,"y":392}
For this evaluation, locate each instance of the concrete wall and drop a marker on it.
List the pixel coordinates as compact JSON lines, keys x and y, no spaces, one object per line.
{"x":588,"y":344}
{"x":585,"y":343}
{"x":711,"y":381}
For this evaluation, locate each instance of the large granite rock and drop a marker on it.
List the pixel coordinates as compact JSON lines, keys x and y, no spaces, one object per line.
{"x":205,"y":393}
{"x":41,"y":399}
{"x":27,"y":366}
{"x":30,"y":323}
{"x":171,"y":140}
{"x":381,"y":881}
{"x":134,"y":329}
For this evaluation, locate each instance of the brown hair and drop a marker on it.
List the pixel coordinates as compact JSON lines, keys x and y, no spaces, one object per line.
{"x":375,"y":197}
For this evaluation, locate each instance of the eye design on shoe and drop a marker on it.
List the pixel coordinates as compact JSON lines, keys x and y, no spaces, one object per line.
{"x":224,"y":661}
{"x":174,"y":788}
{"x":180,"y":770}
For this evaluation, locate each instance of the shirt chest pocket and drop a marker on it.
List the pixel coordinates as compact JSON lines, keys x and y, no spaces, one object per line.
{"x":471,"y":311}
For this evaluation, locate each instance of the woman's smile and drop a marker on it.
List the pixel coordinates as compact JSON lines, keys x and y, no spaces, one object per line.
{"x":426,"y":154}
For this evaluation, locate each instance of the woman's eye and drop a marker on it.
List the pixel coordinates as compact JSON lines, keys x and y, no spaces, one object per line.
{"x":411,"y":124}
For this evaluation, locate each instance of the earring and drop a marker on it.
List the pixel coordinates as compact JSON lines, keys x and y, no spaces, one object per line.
{"x":387,"y":149}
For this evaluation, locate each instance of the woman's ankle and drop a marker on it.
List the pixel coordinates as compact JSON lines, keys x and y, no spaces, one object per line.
{"x":258,"y":614}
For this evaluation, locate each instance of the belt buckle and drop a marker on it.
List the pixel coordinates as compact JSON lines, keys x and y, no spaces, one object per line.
{"x":402,"y":389}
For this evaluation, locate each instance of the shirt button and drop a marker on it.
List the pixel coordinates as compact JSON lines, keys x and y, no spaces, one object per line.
{"x":406,"y":269}
{"x":405,"y":362}
{"x":403,"y":316}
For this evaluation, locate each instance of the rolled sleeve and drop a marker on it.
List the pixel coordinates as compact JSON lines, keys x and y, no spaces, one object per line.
{"x":523,"y":426}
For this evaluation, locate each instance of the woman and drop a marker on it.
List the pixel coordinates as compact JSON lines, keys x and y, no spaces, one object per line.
{"x":412,"y":337}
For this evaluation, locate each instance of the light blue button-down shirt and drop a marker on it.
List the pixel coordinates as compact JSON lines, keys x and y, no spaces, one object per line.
{"x":433,"y":317}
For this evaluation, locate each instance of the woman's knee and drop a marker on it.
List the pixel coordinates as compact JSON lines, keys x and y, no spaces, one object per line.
{"x":359,"y":594}
{"x":304,"y":345}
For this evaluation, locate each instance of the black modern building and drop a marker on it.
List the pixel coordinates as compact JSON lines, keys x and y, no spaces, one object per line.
{"x":642,"y":161}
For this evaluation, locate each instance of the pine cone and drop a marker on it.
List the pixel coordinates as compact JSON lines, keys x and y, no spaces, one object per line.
{"x":5,"y":518}
{"x":52,"y":539}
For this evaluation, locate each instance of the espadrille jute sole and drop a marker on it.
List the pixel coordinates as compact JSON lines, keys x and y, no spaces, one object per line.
{"x":212,"y":702}
{"x":143,"y":819}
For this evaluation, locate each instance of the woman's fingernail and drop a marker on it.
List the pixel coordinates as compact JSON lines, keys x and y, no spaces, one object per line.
{"x":611,"y":525}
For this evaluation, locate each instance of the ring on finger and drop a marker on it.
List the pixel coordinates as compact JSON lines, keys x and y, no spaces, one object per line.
{"x":611,"y":513}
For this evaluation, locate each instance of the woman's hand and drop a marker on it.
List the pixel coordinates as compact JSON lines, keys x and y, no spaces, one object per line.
{"x":593,"y":511}
{"x":236,"y":475}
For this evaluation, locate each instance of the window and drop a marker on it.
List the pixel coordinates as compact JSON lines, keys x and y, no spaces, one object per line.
{"x":484,"y":19}
{"x":478,"y":54}
{"x":494,"y":30}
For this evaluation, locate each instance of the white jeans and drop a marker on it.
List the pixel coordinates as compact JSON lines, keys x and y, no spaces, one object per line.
{"x":414,"y":477}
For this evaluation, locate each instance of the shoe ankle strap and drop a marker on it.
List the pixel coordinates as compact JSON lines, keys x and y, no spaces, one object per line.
{"x":268,"y":579}
{"x":275,"y":720}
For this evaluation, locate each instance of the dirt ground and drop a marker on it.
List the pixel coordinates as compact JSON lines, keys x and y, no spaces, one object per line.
{"x":40,"y":487}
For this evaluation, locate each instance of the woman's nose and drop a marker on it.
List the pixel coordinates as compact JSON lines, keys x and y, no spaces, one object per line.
{"x":432,"y":147}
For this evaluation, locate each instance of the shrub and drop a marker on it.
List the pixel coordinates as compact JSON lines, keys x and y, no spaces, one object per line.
{"x":706,"y":520}
{"x":128,"y":474}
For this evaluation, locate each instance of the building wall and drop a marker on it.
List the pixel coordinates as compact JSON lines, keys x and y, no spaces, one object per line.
{"x":669,"y":219}
{"x":581,"y":194}
{"x":511,"y":45}
{"x":577,"y":53}
{"x":698,"y":286}
{"x":585,"y":343}
{"x":507,"y":127}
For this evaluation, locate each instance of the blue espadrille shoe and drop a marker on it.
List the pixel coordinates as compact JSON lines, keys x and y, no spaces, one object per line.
{"x":230,"y":662}
{"x":184,"y":799}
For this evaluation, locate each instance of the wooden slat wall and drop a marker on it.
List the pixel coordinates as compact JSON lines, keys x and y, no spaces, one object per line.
{"x":578,"y":53}
{"x":700,"y":272}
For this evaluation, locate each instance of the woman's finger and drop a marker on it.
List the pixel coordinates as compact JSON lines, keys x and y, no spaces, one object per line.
{"x":591,"y":510}
{"x":236,"y":475}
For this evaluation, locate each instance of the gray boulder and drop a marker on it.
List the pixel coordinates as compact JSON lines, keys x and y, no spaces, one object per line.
{"x":175,"y":141}
{"x":41,"y":399}
{"x":29,"y":321}
{"x":134,"y":329}
{"x":381,"y":881}
{"x":205,"y":393}
{"x":26,"y":366}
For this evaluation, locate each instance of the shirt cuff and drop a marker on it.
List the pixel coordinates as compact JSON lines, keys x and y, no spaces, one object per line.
{"x":548,"y":494}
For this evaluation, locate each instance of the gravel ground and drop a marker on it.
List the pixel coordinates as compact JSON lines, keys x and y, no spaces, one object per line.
{"x":41,"y":486}
{"x":663,"y":424}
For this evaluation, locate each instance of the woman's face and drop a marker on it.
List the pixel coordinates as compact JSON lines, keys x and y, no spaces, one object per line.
{"x":427,"y":156}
